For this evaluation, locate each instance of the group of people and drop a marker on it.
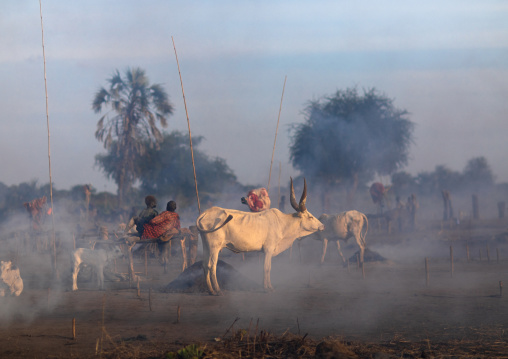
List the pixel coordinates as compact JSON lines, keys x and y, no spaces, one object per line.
{"x":150,"y":224}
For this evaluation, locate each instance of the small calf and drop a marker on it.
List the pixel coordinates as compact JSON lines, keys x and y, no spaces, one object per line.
{"x":10,"y":280}
{"x":97,"y":259}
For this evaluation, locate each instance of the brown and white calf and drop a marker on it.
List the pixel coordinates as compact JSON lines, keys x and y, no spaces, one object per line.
{"x":10,"y":280}
{"x":342,"y":226}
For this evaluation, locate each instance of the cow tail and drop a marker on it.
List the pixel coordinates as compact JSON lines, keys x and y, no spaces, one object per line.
{"x":366,"y":229}
{"x":230,"y":217}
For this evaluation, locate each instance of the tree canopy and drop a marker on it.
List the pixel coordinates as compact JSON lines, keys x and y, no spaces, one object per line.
{"x":348,"y":137}
{"x":167,"y":171}
{"x":130,"y":127}
{"x":476,"y":177}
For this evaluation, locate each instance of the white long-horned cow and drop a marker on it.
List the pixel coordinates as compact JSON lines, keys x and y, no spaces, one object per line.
{"x":10,"y":280}
{"x":97,"y":259}
{"x":342,"y":226}
{"x":270,"y":231}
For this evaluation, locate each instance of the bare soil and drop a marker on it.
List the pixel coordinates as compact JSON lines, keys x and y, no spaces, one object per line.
{"x":390,"y":309}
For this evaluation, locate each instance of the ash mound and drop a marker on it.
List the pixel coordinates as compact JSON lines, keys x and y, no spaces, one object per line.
{"x":368,"y":256}
{"x":192,"y":280}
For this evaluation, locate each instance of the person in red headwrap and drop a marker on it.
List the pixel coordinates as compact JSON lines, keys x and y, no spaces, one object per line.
{"x":257,"y":200}
{"x":163,"y":223}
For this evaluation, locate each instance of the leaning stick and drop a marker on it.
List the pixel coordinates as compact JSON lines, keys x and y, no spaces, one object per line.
{"x":146,"y":261}
{"x":73,"y":328}
{"x":102,"y":324}
{"x":255,"y":335}
{"x":188,"y":125}
{"x":278,"y":196}
{"x":276,"y":130}
{"x":451,"y":260}
{"x":426,"y":272}
{"x":55,"y":272}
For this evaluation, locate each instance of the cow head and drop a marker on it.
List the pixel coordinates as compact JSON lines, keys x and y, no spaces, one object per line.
{"x":309,"y":223}
{"x":115,"y":252}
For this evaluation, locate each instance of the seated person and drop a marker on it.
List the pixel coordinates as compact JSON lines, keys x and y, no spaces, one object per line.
{"x":147,"y":214}
{"x":257,"y":200}
{"x":164,"y":222}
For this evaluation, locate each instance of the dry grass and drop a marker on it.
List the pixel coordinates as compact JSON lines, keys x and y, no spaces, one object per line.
{"x":239,"y":344}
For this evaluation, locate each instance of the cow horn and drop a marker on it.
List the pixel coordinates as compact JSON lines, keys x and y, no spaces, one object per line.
{"x":303,"y":199}
{"x":292,"y":198}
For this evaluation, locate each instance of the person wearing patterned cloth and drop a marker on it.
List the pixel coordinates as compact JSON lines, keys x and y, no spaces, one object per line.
{"x":162,"y":223}
{"x":257,"y":200}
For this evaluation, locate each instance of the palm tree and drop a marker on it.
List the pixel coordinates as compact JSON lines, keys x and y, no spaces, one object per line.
{"x":131,"y":124}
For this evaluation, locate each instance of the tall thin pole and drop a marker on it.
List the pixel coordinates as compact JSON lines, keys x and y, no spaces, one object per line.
{"x":278,"y":196}
{"x":276,"y":130}
{"x":188,"y":125}
{"x":49,"y":144}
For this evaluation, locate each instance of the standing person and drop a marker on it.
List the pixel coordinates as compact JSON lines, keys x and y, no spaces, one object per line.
{"x":147,"y":214}
{"x":163,"y":223}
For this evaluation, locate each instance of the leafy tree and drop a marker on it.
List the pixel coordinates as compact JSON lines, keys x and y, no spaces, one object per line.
{"x":403,"y":183}
{"x":167,"y":171}
{"x":478,"y":174}
{"x":347,"y":138}
{"x":136,"y":107}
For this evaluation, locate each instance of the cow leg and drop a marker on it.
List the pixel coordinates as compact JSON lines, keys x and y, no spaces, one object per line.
{"x":325,"y":244}
{"x":300,"y":249}
{"x":184,"y":254}
{"x":100,"y":277}
{"x":268,"y":267}
{"x":340,"y":252}
{"x":208,"y":266}
{"x":212,"y":264}
{"x":75,"y":271}
{"x":163,"y":249}
{"x":359,"y":240}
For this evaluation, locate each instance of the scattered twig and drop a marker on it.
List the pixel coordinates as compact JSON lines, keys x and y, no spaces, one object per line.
{"x":227,"y":331}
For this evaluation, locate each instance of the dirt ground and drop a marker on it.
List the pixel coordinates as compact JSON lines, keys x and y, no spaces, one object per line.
{"x":391,"y":309}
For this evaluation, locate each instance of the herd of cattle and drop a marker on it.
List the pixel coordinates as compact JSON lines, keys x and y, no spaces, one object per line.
{"x":268,"y":230}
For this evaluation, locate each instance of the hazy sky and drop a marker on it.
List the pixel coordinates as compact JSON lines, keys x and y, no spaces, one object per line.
{"x":446,"y":62}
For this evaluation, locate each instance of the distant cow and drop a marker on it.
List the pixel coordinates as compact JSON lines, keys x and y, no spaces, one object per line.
{"x":10,"y":280}
{"x":97,"y":259}
{"x":342,"y":226}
